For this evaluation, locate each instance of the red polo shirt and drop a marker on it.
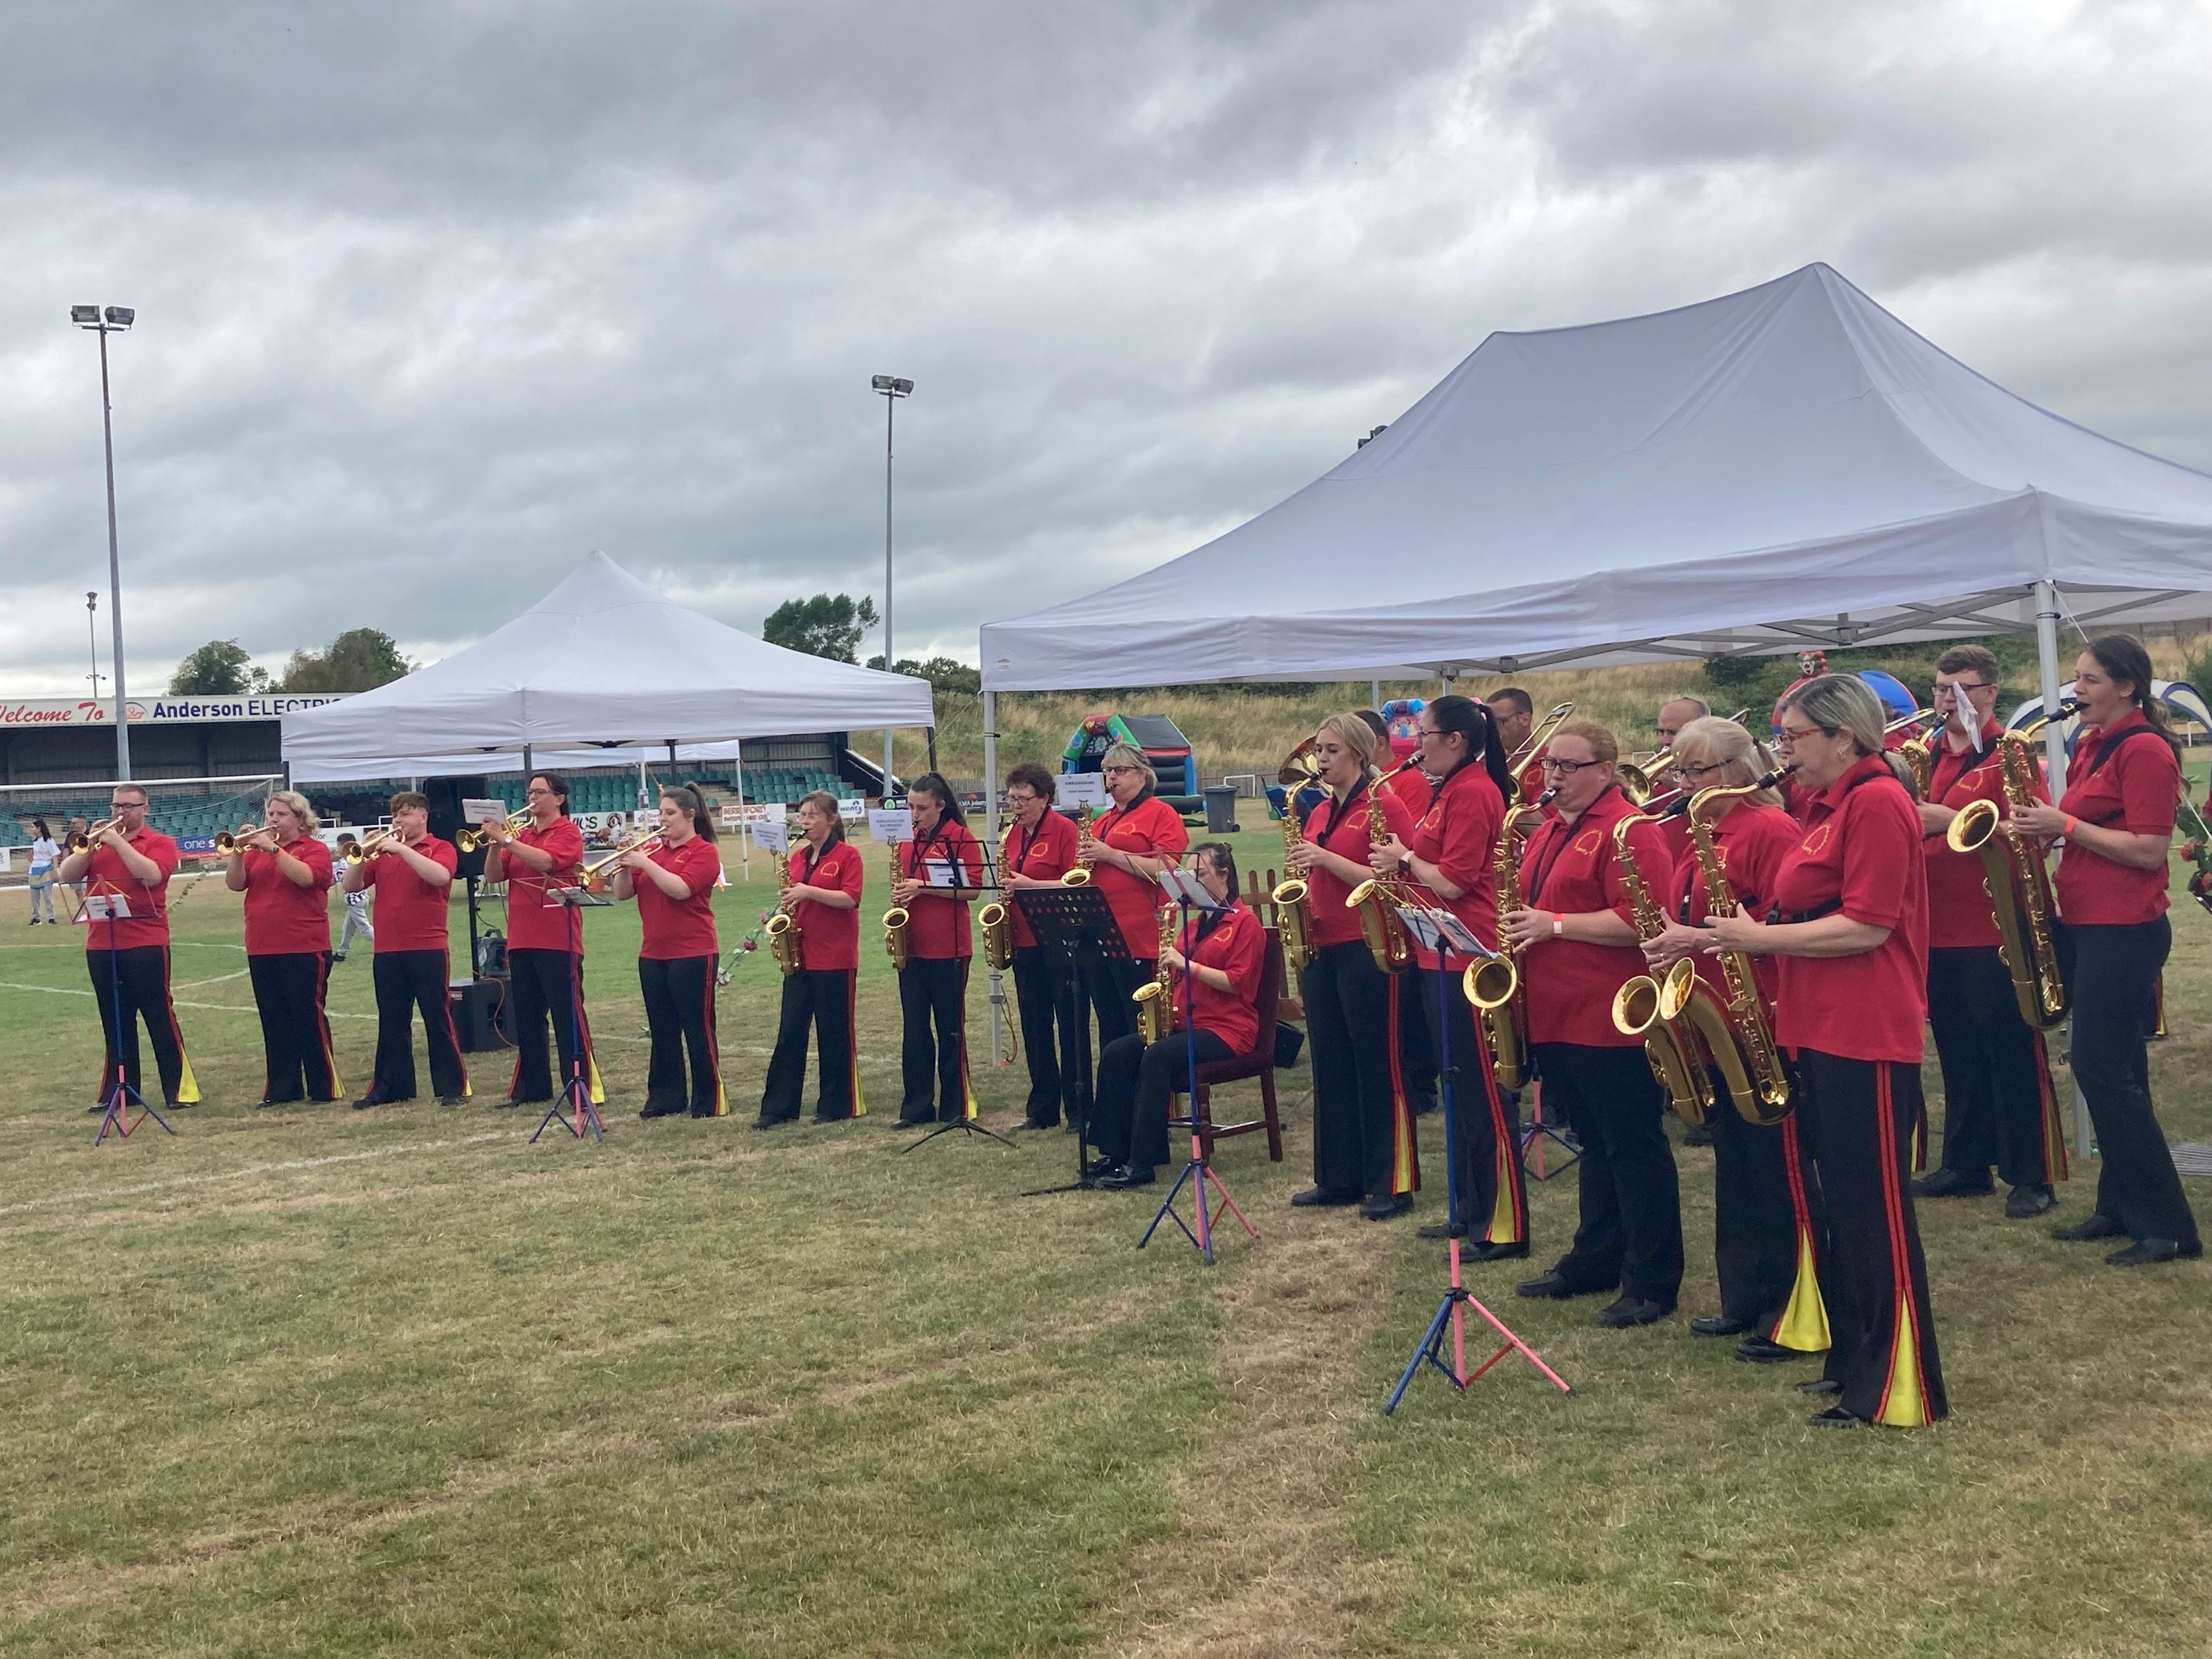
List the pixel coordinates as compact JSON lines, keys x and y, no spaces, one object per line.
{"x":2118,"y":782}
{"x":939,"y":928}
{"x":410,"y":914}
{"x":1532,"y":776}
{"x":672,"y":928}
{"x":1236,"y":944}
{"x":1571,"y":870}
{"x":1959,"y":912}
{"x":1045,"y":853}
{"x":1752,"y":841}
{"x":828,"y":938}
{"x":1410,"y":785}
{"x":1857,"y":852}
{"x":284,"y":918}
{"x":1150,"y":828}
{"x":533,"y":923}
{"x":105,"y":876}
{"x":1346,"y":833}
{"x":1458,"y":833}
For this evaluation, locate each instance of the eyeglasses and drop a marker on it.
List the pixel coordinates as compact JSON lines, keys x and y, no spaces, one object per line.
{"x":1700,"y":771}
{"x":1567,"y":768}
{"x":1115,"y":771}
{"x":1794,"y":735}
{"x":537,"y":792}
{"x":1958,"y":686}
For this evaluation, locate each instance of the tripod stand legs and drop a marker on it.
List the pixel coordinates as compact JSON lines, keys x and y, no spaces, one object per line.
{"x":968,"y":1124}
{"x":1200,"y":1174}
{"x":1451,"y":1315}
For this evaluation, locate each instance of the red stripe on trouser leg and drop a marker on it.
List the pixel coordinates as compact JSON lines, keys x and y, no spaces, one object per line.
{"x":713,"y":1042}
{"x":2053,"y":1131}
{"x":452,"y":1031}
{"x":852,"y":1040}
{"x":1506,"y":1159}
{"x":1905,"y":1338}
{"x":1405,"y":1151}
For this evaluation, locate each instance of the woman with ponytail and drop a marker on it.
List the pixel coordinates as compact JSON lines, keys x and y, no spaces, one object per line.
{"x":674,"y":884}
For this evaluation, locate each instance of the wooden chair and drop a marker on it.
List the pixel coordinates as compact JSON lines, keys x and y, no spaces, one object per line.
{"x":1258,"y":1062}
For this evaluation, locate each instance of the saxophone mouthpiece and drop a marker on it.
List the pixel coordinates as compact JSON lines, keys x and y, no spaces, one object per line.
{"x":1545,"y":800}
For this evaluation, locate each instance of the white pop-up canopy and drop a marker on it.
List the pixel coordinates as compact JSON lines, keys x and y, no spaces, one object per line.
{"x":1785,"y":467}
{"x":600,"y":669}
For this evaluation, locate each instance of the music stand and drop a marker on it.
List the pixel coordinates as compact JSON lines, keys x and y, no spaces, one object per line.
{"x":110,"y":907}
{"x":575,"y":1095}
{"x":1077,"y":929}
{"x":1537,"y":1131}
{"x":1444,"y":933}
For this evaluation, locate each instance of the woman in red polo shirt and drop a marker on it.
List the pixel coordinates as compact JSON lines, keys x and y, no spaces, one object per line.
{"x":674,"y":885}
{"x":1448,"y":858}
{"x":1766,"y":1239}
{"x":823,"y":881}
{"x":1220,"y":951}
{"x":544,"y":942}
{"x":1362,"y":1129}
{"x":1039,"y":848}
{"x":1851,"y":1003}
{"x":285,"y":873}
{"x":1129,"y":845}
{"x":1577,"y":947}
{"x":940,"y":871}
{"x":2116,"y":821}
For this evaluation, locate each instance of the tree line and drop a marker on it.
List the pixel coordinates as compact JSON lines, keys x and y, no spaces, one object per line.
{"x":359,"y":659}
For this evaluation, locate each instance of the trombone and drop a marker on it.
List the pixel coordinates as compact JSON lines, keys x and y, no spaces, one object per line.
{"x":1539,"y":735}
{"x":468,"y":839}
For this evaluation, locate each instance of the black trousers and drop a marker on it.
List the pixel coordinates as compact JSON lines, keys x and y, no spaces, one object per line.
{"x":129,"y":984}
{"x":1998,"y":1105}
{"x":1108,"y":987}
{"x":819,"y":1001}
{"x":1417,"y":1048}
{"x":934,"y":1047}
{"x":679,"y":1016}
{"x":542,"y":990}
{"x":2112,"y":972}
{"x":406,"y":981}
{"x":1362,"y":1132}
{"x":288,"y":989}
{"x":1485,"y":1126}
{"x":1050,"y":1015}
{"x":1855,"y":1123}
{"x":1630,"y":1228}
{"x":1129,"y":1123}
{"x":1759,"y":1214}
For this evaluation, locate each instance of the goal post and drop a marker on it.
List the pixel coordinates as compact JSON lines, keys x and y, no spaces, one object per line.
{"x":190,"y":810}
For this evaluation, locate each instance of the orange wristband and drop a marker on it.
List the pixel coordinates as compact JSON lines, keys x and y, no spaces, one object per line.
{"x":2067,"y":834}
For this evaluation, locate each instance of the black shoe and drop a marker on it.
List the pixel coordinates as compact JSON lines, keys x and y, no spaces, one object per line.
{"x":818,"y":1119}
{"x":1700,"y":1135}
{"x":2148,"y":1252}
{"x":1553,"y":1286}
{"x":1630,"y":1311}
{"x":337,"y":955}
{"x":707,"y":1111}
{"x":664,"y":1109}
{"x":2090,"y":1226}
{"x":916,"y":1123}
{"x":2025,"y":1202}
{"x":1382,"y":1207}
{"x":1819,"y":1386}
{"x":1126,"y":1177}
{"x":1440,"y":1230}
{"x":1719,"y":1325}
{"x":453,"y":1100}
{"x":1758,"y":1350}
{"x":1101,"y":1165}
{"x":369,"y":1100}
{"x":1484,"y":1250}
{"x":1954,"y":1183}
{"x":1316,"y":1198}
{"x":1836,"y":1418}
{"x":1032,"y":1123}
{"x":515,"y":1101}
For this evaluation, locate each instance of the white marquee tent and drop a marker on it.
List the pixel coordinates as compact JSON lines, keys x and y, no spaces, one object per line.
{"x":598,"y":672}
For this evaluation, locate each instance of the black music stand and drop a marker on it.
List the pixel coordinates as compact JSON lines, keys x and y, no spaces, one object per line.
{"x":110,"y":907}
{"x":1075,"y":929}
{"x":575,"y":1096}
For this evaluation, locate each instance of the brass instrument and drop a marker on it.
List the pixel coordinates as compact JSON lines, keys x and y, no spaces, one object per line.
{"x":1742,"y":1045}
{"x":1293,"y":895}
{"x":1155,"y":1005}
{"x":1379,"y":919}
{"x":1655,"y":1009}
{"x":360,"y":851}
{"x":1493,"y":986}
{"x":2017,"y":882}
{"x":782,"y":928}
{"x":997,"y":918}
{"x":468,"y":839}
{"x":1539,"y":735}
{"x":897,"y":945}
{"x":83,"y":842}
{"x":1080,"y":875}
{"x":1638,"y":777}
{"x":593,"y":874}
{"x":1299,"y":769}
{"x":227,"y":843}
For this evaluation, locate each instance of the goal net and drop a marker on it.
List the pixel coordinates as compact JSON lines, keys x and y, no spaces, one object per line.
{"x":190,"y":809}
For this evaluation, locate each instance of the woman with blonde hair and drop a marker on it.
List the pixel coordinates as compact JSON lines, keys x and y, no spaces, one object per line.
{"x":1125,"y":850}
{"x":284,"y":871}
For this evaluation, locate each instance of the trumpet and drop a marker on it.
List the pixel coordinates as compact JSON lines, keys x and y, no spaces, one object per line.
{"x":227,"y":843}
{"x":594,"y":873}
{"x":469,"y":839}
{"x":360,"y":851}
{"x":82,"y":843}
{"x":1080,"y":875}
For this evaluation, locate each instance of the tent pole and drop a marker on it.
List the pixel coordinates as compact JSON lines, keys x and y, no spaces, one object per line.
{"x":991,"y":843}
{"x":529,"y":765}
{"x":744,"y":829}
{"x":2054,"y":755}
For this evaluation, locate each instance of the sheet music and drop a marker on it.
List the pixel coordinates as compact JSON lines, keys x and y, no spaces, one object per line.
{"x":946,"y":872}
{"x":771,"y":834}
{"x":1183,"y":887}
{"x":890,"y":825}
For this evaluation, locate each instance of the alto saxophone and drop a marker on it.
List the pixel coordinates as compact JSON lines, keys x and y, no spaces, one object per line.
{"x":897,"y":944}
{"x":782,"y":928}
{"x":1657,"y":1009}
{"x":1080,"y":875}
{"x":1155,"y":1005}
{"x":997,"y":919}
{"x":2018,"y":886}
{"x":1493,"y":988}
{"x":1744,"y":1049}
{"x":1379,"y":919}
{"x":1292,"y":898}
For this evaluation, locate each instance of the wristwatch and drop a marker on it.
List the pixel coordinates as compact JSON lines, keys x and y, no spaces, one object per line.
{"x":1405,"y":864}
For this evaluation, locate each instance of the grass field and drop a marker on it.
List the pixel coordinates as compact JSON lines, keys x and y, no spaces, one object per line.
{"x":326,"y":1383}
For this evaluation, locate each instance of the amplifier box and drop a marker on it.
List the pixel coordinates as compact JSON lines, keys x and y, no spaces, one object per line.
{"x":481,"y":1015}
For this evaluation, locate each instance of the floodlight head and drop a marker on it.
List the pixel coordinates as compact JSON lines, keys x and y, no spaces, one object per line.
{"x":121,"y":316}
{"x":85,"y":316}
{"x":891,"y":386}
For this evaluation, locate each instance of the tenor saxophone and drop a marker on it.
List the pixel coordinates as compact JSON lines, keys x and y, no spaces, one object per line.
{"x":897,"y":944}
{"x":1292,"y":898}
{"x":1657,"y":1009}
{"x":2018,"y":883}
{"x":1743,"y":1045}
{"x":1155,"y":1005}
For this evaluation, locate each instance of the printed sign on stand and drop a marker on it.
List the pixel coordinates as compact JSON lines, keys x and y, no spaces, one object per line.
{"x":895,"y":824}
{"x":1077,"y":790}
{"x":772,"y":834}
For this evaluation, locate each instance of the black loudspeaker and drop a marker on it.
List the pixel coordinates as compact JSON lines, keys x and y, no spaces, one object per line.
{"x":481,"y":1015}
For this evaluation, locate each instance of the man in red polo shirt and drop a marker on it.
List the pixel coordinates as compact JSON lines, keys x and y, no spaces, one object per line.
{"x":128,"y":959}
{"x":544,"y":942}
{"x":412,"y":871}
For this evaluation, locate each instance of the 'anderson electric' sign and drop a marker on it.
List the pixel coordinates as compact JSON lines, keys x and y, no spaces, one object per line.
{"x":158,"y":711}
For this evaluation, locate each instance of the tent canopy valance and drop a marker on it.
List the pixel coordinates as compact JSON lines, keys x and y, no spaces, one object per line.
{"x":603,"y":665}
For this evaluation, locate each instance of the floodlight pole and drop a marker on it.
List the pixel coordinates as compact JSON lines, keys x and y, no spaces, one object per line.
{"x":114,"y":320}
{"x":92,"y":638}
{"x":892,"y":389}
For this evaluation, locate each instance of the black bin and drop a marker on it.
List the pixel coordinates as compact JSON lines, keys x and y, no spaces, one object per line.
{"x":1220,"y":809}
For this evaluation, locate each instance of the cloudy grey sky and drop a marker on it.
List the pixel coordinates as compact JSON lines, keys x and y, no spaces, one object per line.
{"x":436,"y":298}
